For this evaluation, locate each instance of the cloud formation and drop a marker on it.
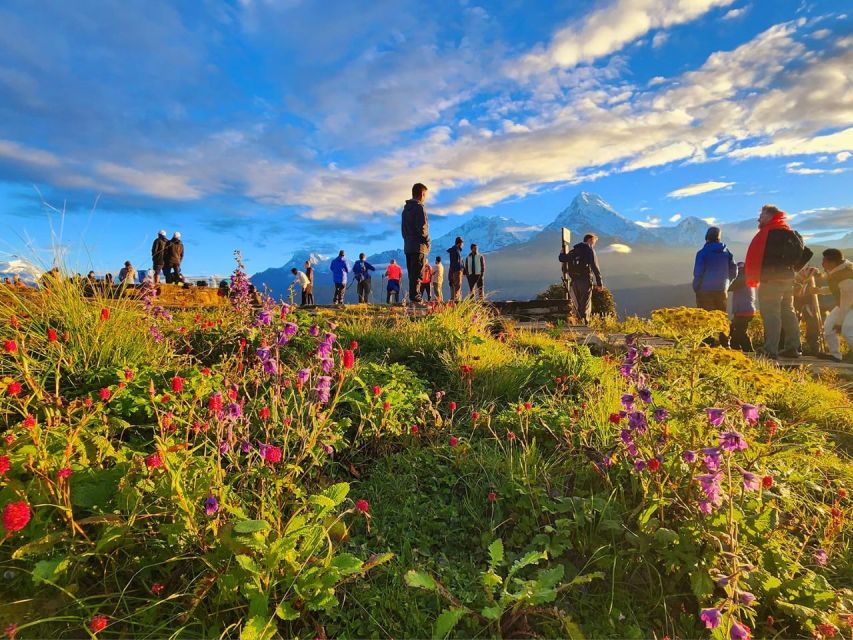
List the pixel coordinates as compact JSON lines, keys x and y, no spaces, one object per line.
{"x":698,"y":188}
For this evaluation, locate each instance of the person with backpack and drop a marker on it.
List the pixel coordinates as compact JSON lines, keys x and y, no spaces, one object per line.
{"x":454,"y":273}
{"x":415,"y":229}
{"x":158,"y":254}
{"x":713,"y":271}
{"x":309,"y":291}
{"x":582,"y":266}
{"x":475,"y":270}
{"x":743,"y":311}
{"x":172,"y":258}
{"x":361,"y":271}
{"x":394,"y":273}
{"x":438,"y":280}
{"x":775,"y":254}
{"x":339,"y":269}
{"x":426,"y":281}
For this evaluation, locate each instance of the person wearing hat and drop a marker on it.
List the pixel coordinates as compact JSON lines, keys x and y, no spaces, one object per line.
{"x":713,"y":272}
{"x":174,"y":255}
{"x":158,"y":254}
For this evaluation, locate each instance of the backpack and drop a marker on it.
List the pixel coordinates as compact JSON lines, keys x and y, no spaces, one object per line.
{"x":792,"y":253}
{"x":576,"y":264}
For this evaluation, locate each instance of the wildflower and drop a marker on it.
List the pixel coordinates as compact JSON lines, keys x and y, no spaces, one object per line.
{"x":377,"y":390}
{"x":314,"y":330}
{"x":165,"y":398}
{"x":454,"y":441}
{"x":211,"y":505}
{"x":16,"y":515}
{"x":653,"y":464}
{"x":510,"y":435}
{"x":264,"y":413}
{"x":234,"y":410}
{"x":645,"y":395}
{"x":716,"y":416}
{"x":362,"y":506}
{"x":155,"y":333}
{"x":105,"y":314}
{"x":5,"y":465}
{"x":302,"y":376}
{"x":329,"y":338}
{"x":128,"y":375}
{"x":246,"y":447}
{"x":452,"y":406}
{"x":64,"y":472}
{"x":324,"y":385}
{"x":772,"y":427}
{"x":626,"y":436}
{"x":328,"y":449}
{"x":745,"y":597}
{"x":648,"y":351}
{"x":87,"y":402}
{"x":751,"y":481}
{"x":615,"y":418}
{"x":660,"y":414}
{"x":29,"y":422}
{"x":750,"y":412}
{"x":638,"y":421}
{"x":264,"y":318}
{"x":626,"y":370}
{"x":711,"y":458}
{"x":842,"y":493}
{"x":821,"y":557}
{"x":528,"y":406}
{"x":13,"y":388}
{"x":711,"y":618}
{"x":11,"y":630}
{"x":627,"y":401}
{"x":492,"y":496}
{"x":739,"y":631}
{"x":157,"y":588}
{"x":205,"y":371}
{"x":415,"y":429}
{"x":224,"y":447}
{"x":270,"y":453}
{"x":177,"y":384}
{"x":349,"y":359}
{"x":154,"y":461}
{"x":710,"y":483}
{"x":825,"y":630}
{"x":271,"y":367}
{"x":732,"y":441}
{"x":640,"y":465}
{"x":558,"y":380}
{"x":353,"y":345}
{"x":51,"y":335}
{"x":475,"y":415}
{"x":767,"y":482}
{"x":327,"y":364}
{"x":10,"y":346}
{"x":105,"y":394}
{"x":98,"y":623}
{"x":386,"y":406}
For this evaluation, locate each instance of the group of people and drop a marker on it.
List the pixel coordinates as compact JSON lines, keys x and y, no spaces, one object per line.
{"x":166,"y":257}
{"x":776,"y":276}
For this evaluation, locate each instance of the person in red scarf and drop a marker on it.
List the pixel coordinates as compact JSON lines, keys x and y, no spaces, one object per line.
{"x":775,"y":254}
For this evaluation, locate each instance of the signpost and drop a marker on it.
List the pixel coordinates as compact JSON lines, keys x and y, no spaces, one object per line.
{"x":567,"y":241}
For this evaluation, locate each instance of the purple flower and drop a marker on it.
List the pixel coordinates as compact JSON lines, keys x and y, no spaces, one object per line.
{"x":327,"y":364}
{"x":302,"y":375}
{"x":285,"y":309}
{"x":246,"y":446}
{"x":689,"y":456}
{"x":155,"y":333}
{"x":283,"y":339}
{"x":638,"y":421}
{"x":628,"y":402}
{"x":290,"y":329}
{"x":660,"y":414}
{"x":328,"y":449}
{"x":751,"y":482}
{"x":263,"y":353}
{"x":711,"y":618}
{"x":745,"y":597}
{"x":711,"y":458}
{"x":750,"y":412}
{"x":710,"y":483}
{"x":706,"y":507}
{"x":271,"y":367}
{"x":640,"y":465}
{"x":631,"y":356}
{"x":647,"y":352}
{"x":224,"y":447}
{"x":821,"y":557}
{"x":264,"y":318}
{"x":314,"y":331}
{"x":632,"y":449}
{"x":211,"y":505}
{"x":324,"y":385}
{"x":739,"y":631}
{"x":324,"y":350}
{"x":626,"y":436}
{"x":329,"y":338}
{"x":645,"y":395}
{"x":732,"y":441}
{"x":626,"y":370}
{"x":235,"y":410}
{"x":716,"y":416}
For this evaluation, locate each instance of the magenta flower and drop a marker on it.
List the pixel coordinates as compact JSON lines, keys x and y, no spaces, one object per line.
{"x":711,"y":618}
{"x":626,"y":436}
{"x":821,"y":557}
{"x":745,"y":597}
{"x":626,"y":370}
{"x":647,"y":352}
{"x":689,"y":456}
{"x":710,"y":483}
{"x":732,"y":441}
{"x":264,"y":318}
{"x":327,"y":364}
{"x":640,"y":465}
{"x":751,"y":482}
{"x":314,"y":331}
{"x":750,"y":412}
{"x":628,"y":402}
{"x":739,"y":631}
{"x":711,"y":458}
{"x":211,"y":505}
{"x":706,"y":507}
{"x":271,"y":367}
{"x":234,"y":410}
{"x":302,"y":375}
{"x":224,"y":447}
{"x":263,"y":353}
{"x":716,"y":416}
{"x":324,"y":385}
{"x":290,"y":329}
{"x":329,"y":338}
{"x":324,"y":350}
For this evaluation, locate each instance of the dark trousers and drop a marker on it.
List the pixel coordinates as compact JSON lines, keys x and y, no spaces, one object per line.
{"x":454,"y":278}
{"x":714,"y":301}
{"x":580,"y":291}
{"x":172,"y":273}
{"x":364,"y":290}
{"x":308,"y":295}
{"x":414,"y":266}
{"x":425,"y":290}
{"x":739,"y":337}
{"x":157,"y":270}
{"x":338,"y":298}
{"x":393,"y":291}
{"x":476,"y":286}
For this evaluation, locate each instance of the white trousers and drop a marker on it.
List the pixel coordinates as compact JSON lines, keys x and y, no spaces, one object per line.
{"x":834,"y":318}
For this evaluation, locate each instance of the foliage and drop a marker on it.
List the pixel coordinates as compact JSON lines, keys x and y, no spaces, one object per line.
{"x":603,"y":304}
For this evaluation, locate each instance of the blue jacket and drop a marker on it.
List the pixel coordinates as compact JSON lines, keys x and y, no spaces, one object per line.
{"x":361,"y":270}
{"x":714,"y":269}
{"x":743,"y":297}
{"x":339,"y":269}
{"x":455,"y":259}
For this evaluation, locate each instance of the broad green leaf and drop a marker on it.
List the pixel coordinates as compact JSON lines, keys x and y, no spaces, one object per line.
{"x":771,"y":583}
{"x":258,"y":628}
{"x":765,"y":521}
{"x":294,"y":524}
{"x":337,"y":493}
{"x":448,"y":619}
{"x":496,"y":553}
{"x":548,"y":578}
{"x":701,"y":583}
{"x":491,"y":579}
{"x":647,"y":513}
{"x":285,"y":611}
{"x":247,"y":564}
{"x":324,"y":503}
{"x":347,"y":564}
{"x":528,"y":559}
{"x":49,"y":569}
{"x":420,"y":580}
{"x":491,"y":613}
{"x":251,"y":526}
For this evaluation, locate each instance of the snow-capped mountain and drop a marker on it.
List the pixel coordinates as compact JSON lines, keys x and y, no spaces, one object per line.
{"x":19,"y":267}
{"x":590,"y":213}
{"x":278,"y":279}
{"x":688,"y":232}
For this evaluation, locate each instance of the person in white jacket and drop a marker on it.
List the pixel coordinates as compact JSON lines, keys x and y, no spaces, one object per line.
{"x":839,"y":322}
{"x":438,"y":280}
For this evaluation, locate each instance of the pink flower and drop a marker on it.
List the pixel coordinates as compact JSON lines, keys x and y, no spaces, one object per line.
{"x":5,"y":465}
{"x":415,"y":429}
{"x":29,"y":422}
{"x":716,"y":416}
{"x":13,"y":388}
{"x":751,"y":482}
{"x":711,"y":618}
{"x":386,"y":406}
{"x":454,"y":441}
{"x":16,"y":515}
{"x":349,"y":359}
{"x":750,"y":412}
{"x":270,"y":453}
{"x":362,"y":506}
{"x":105,"y":394}
{"x":653,"y":464}
{"x":64,"y":473}
{"x":10,"y":346}
{"x":157,"y":588}
{"x":492,"y":496}
{"x":739,"y":631}
{"x":475,"y":415}
{"x":154,"y":461}
{"x":177,"y":384}
{"x":377,"y":390}
{"x":732,"y":441}
{"x":821,"y":557}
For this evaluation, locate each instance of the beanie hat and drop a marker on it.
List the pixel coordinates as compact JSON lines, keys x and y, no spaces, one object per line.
{"x":162,"y":232}
{"x":177,"y":234}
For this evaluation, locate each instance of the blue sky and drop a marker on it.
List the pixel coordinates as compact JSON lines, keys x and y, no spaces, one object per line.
{"x":280,"y":125}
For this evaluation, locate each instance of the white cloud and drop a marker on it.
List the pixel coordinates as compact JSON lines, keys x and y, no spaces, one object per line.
{"x":709,"y":220}
{"x":732,"y":14}
{"x":675,"y":217}
{"x":662,"y":155}
{"x":153,"y":183}
{"x":660,"y":39}
{"x":843,"y":156}
{"x":798,"y":168}
{"x":28,"y":155}
{"x":698,"y":188}
{"x":616,"y":248}
{"x":839,"y":141}
{"x":651,"y":222}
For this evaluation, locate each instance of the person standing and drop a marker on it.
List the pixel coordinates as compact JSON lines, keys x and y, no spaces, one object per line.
{"x":775,"y":254}
{"x":713,"y":271}
{"x":839,"y":322}
{"x":127,"y":274}
{"x":743,"y":311}
{"x":301,"y":280}
{"x":438,"y":280}
{"x":172,"y":258}
{"x":158,"y":254}
{"x":394,"y":273}
{"x":426,"y":281}
{"x":475,"y":269}
{"x":339,"y":269}
{"x":457,"y":266}
{"x":582,"y":268}
{"x":309,"y":292}
{"x":415,"y":229}
{"x":361,"y":271}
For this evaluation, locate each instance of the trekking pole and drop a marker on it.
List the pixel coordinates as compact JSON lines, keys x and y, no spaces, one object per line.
{"x":816,"y":309}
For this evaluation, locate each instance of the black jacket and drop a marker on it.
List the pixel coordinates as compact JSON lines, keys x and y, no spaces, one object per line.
{"x":591,"y":260}
{"x":455,"y":258}
{"x":174,"y":253}
{"x":415,"y":228}
{"x":158,"y":250}
{"x":784,"y":255}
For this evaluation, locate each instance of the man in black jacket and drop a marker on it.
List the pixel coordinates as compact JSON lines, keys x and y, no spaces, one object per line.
{"x":582,"y":267}
{"x":415,"y":230}
{"x":454,"y":273}
{"x":174,"y":255}
{"x":158,"y":254}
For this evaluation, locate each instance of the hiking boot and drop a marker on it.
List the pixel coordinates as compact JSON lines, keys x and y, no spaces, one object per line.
{"x":789,"y":353}
{"x":823,"y":355}
{"x":763,"y":353}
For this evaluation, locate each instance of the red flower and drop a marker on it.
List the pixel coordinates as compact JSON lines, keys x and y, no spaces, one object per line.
{"x":10,"y":346}
{"x":767,"y":482}
{"x":492,"y":496}
{"x":98,"y":623}
{"x":29,"y":422}
{"x":64,"y":473}
{"x":128,"y":375}
{"x":353,"y":345}
{"x":105,"y":314}
{"x":205,"y":371}
{"x":121,"y":385}
{"x":87,"y":402}
{"x":386,"y":406}
{"x":377,"y":390}
{"x":157,"y":588}
{"x":5,"y":465}
{"x":154,"y":461}
{"x":242,"y":343}
{"x":653,"y":464}
{"x":232,"y":393}
{"x":9,"y":438}
{"x":475,"y":415}
{"x":415,"y":429}
{"x":842,"y":493}
{"x":13,"y":389}
{"x":510,"y":435}
{"x":362,"y":505}
{"x":528,"y":406}
{"x":452,"y":406}
{"x":177,"y":384}
{"x":825,"y":630}
{"x":271,"y":454}
{"x":165,"y":398}
{"x":349,"y":359}
{"x":454,"y":441}
{"x":558,"y":380}
{"x":105,"y":394}
{"x":287,"y":421}
{"x":615,"y":418}
{"x":16,"y":515}
{"x":51,"y":335}
{"x":264,"y":413}
{"x":11,"y":630}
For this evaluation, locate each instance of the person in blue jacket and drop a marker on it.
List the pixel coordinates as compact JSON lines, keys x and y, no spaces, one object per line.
{"x":713,"y":272}
{"x":339,"y":269}
{"x":361,"y":272}
{"x":743,"y":310}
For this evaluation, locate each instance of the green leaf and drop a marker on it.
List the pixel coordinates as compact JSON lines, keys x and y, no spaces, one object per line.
{"x":548,"y":578}
{"x":585,"y":578}
{"x":347,"y":564}
{"x":771,"y":583}
{"x":251,"y":526}
{"x":664,"y":536}
{"x":420,"y":580}
{"x":491,"y":613}
{"x":324,"y":503}
{"x":647,"y":513}
{"x":496,"y":553}
{"x":285,"y":611}
{"x":701,"y":583}
{"x":765,"y":521}
{"x":337,"y":493}
{"x":248,"y":564}
{"x":382,"y":558}
{"x":258,"y":628}
{"x":491,"y":580}
{"x":48,"y":570}
{"x":448,"y":619}
{"x":528,"y":559}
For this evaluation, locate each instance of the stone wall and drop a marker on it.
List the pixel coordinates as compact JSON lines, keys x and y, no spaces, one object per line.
{"x":544,"y":310}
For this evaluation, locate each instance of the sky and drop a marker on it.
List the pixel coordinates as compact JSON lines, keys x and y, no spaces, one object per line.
{"x":274,"y":126}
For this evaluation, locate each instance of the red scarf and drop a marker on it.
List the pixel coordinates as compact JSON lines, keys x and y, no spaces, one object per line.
{"x":755,"y":253}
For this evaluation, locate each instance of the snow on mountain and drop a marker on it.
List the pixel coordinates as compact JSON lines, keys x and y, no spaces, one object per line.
{"x":278,"y":279}
{"x":688,"y":232}
{"x":590,"y":213}
{"x":18,"y":267}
